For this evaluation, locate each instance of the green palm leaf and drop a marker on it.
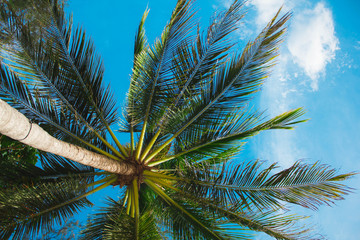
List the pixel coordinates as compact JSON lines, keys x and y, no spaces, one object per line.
{"x":153,"y":77}
{"x":24,"y":209}
{"x":189,"y":223}
{"x":274,"y":223}
{"x":277,"y":225}
{"x":220,"y":137}
{"x":233,"y":83}
{"x":22,"y":173}
{"x":308,"y":185}
{"x":271,"y":222}
{"x":112,"y":222}
{"x":194,"y":64}
{"x":71,"y":82}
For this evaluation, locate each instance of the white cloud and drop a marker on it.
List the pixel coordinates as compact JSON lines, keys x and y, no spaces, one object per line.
{"x":310,"y":45}
{"x":227,"y":3}
{"x":266,"y":10}
{"x":357,"y":45}
{"x":312,"y":42}
{"x":279,"y":95}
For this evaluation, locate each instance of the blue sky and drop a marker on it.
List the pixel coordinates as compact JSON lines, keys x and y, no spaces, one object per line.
{"x":319,"y":69}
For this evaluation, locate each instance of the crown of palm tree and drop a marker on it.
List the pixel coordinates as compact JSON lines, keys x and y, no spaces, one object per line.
{"x":187,"y":115}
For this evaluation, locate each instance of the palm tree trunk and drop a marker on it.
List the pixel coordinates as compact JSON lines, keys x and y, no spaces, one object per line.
{"x":18,"y":127}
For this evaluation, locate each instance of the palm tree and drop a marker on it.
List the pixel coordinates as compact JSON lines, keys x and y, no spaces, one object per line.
{"x":187,"y":117}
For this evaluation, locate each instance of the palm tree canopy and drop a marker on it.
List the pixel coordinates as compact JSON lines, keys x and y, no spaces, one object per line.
{"x":187,"y":114}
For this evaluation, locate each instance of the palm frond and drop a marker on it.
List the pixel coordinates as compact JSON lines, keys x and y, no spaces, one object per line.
{"x":21,"y":173}
{"x":18,"y":173}
{"x":60,"y":165}
{"x":112,"y":222}
{"x":82,"y":63}
{"x":140,"y":38}
{"x":44,"y":110}
{"x":153,"y":71}
{"x":186,"y":220}
{"x":275,"y":224}
{"x":67,"y":75}
{"x":271,"y":222}
{"x":307,"y":185}
{"x":233,"y":83}
{"x":194,"y":64}
{"x":24,"y":209}
{"x":217,"y":139}
{"x":140,"y":48}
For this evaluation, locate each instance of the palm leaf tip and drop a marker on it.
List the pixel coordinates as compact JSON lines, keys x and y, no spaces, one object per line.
{"x":288,"y":119}
{"x":343,"y":177}
{"x":140,"y":38}
{"x":310,"y":185}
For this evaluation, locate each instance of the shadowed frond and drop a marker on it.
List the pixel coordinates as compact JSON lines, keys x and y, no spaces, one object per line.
{"x":27,"y":210}
{"x":57,"y":164}
{"x":185,"y":219}
{"x":112,"y":222}
{"x":16,"y":174}
{"x":60,"y":68}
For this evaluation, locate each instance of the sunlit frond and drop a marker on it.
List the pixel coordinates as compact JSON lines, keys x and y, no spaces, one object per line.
{"x":219,"y":138}
{"x":272,"y":222}
{"x":233,"y":83}
{"x":152,"y":77}
{"x":308,"y":185}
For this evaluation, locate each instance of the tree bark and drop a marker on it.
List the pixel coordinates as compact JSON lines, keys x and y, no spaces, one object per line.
{"x":18,"y":127}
